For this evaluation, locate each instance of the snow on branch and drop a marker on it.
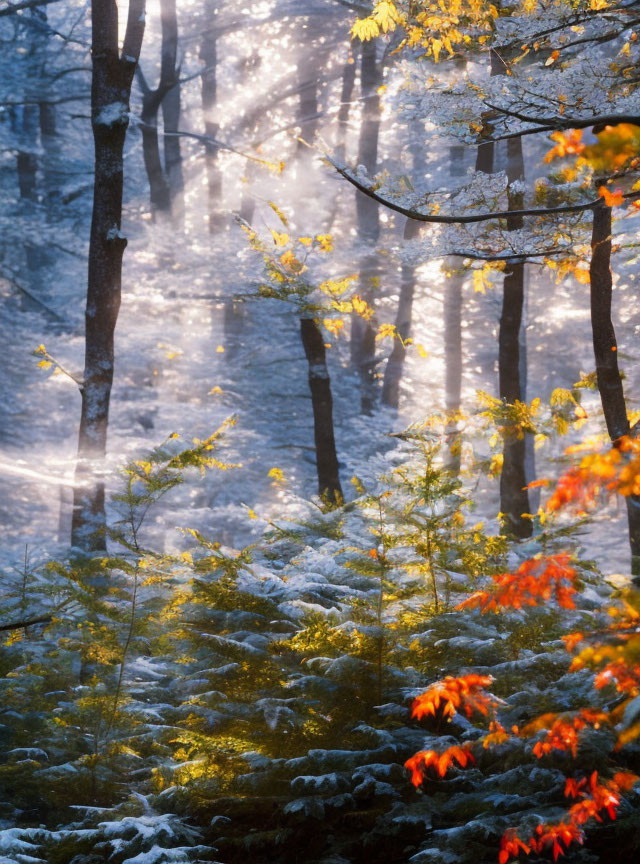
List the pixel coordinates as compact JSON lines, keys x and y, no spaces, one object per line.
{"x":439,"y":219}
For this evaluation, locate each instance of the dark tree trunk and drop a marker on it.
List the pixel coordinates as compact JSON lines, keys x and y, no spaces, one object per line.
{"x":605,"y":349}
{"x":159,"y":194}
{"x":50,"y":152}
{"x":329,"y":487}
{"x":110,"y":94}
{"x":170,"y":78}
{"x":363,"y":332}
{"x":395,"y":363}
{"x":209,"y":56}
{"x":485,"y":155}
{"x":514,"y":496}
{"x":27,"y":161}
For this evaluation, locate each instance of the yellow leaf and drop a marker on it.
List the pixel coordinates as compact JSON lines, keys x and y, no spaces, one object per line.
{"x":279,"y":239}
{"x":277,"y":475}
{"x":290,"y":262}
{"x":325,"y":242}
{"x":362,"y":308}
{"x":279,"y":213}
{"x":385,"y":331}
{"x":334,"y":325}
{"x":365,"y":29}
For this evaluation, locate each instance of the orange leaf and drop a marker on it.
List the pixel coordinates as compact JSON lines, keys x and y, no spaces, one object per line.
{"x":611,"y":199}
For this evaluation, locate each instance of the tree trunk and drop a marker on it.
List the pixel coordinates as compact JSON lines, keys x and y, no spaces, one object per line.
{"x":346,"y":97}
{"x":453,"y":367}
{"x":27,"y":161}
{"x":453,"y":327}
{"x":363,"y":332}
{"x":395,"y":363}
{"x":110,"y":94}
{"x":159,"y":194}
{"x":209,"y":91}
{"x":329,"y":487}
{"x":514,"y":497}
{"x":485,"y":155}
{"x":605,"y":349}
{"x":170,"y":76}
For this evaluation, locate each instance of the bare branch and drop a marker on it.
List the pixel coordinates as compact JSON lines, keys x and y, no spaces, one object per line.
{"x":549,"y":123}
{"x":29,"y":622}
{"x":12,"y":8}
{"x":135,"y":31}
{"x":463,"y":220}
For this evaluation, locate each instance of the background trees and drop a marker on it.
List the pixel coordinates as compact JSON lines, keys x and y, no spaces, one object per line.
{"x":244,"y":686}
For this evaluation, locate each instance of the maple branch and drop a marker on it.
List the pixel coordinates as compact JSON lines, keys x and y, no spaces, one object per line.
{"x":550,"y":123}
{"x":463,"y":220}
{"x":516,"y":257}
{"x":577,"y":19}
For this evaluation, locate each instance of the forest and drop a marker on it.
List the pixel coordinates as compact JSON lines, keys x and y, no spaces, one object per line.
{"x":319,"y":431}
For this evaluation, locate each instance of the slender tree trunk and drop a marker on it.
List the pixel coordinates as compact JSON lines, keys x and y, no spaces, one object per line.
{"x":50,"y":153}
{"x":605,"y":349}
{"x":27,"y":161}
{"x":329,"y":487}
{"x":159,"y":194}
{"x":170,"y":74}
{"x":395,"y":363}
{"x":248,"y":201}
{"x":165,"y":181}
{"x":485,"y":156}
{"x":346,"y":98}
{"x":307,"y":110}
{"x":453,"y":367}
{"x":110,"y":94}
{"x":209,"y":91}
{"x":514,"y":497}
{"x":367,"y":212}
{"x":453,"y":326}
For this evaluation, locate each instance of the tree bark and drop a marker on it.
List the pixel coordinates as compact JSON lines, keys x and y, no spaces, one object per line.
{"x":453,"y":367}
{"x":367,"y":213}
{"x":605,"y":349}
{"x":27,"y":161}
{"x":514,"y":497}
{"x":110,"y":94}
{"x":395,"y":363}
{"x":329,"y":487}
{"x":453,"y":328}
{"x":209,"y":91}
{"x":346,"y":97}
{"x":159,"y":194}
{"x":170,"y":76}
